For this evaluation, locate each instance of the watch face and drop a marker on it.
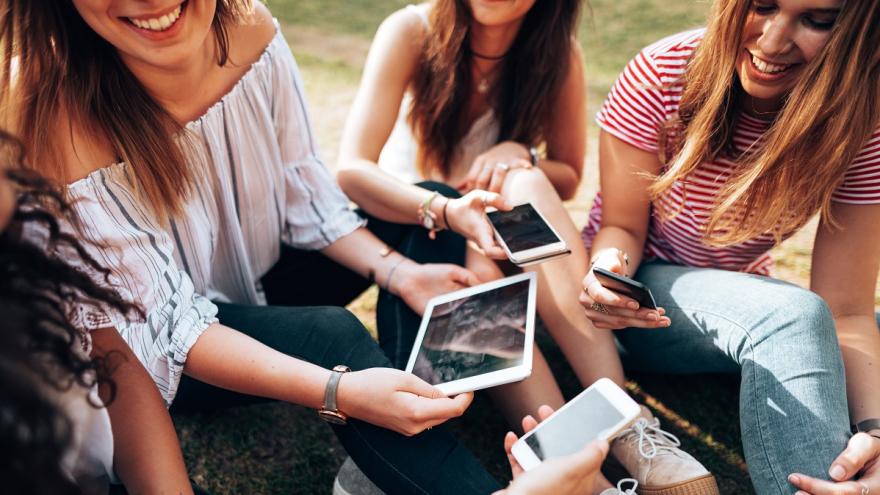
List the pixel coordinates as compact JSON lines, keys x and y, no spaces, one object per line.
{"x":332,"y":417}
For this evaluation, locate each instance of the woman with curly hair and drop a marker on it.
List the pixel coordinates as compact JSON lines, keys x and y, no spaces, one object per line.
{"x":73,"y":413}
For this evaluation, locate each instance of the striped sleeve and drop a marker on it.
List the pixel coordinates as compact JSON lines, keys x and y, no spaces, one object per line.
{"x":634,"y":109}
{"x":861,"y":184}
{"x":317,"y":212}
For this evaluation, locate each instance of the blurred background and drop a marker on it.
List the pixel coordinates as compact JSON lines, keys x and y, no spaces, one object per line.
{"x":278,"y":448}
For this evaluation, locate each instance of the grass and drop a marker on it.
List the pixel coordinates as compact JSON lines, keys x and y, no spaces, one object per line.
{"x":277,"y":448}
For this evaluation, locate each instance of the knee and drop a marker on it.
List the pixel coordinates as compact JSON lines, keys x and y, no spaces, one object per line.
{"x":807,"y":317}
{"x":531,"y":184}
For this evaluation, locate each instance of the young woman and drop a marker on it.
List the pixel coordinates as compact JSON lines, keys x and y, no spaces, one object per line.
{"x":716,"y":145}
{"x":57,"y":435}
{"x":180,"y":131}
{"x":466,"y":92}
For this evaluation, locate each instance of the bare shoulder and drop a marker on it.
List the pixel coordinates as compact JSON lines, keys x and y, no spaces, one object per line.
{"x":249,"y":38}
{"x":406,"y":26}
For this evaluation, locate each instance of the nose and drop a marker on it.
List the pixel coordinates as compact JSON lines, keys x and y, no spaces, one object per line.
{"x":776,"y":37}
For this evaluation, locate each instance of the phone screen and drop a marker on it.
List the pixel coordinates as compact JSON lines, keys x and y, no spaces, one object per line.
{"x":579,"y":424}
{"x":522,"y":228}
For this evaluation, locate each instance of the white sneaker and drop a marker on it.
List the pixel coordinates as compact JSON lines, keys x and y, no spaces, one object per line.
{"x":653,"y":458}
{"x":620,"y":490}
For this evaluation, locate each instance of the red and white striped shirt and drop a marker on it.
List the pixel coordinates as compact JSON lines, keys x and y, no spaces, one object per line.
{"x":645,"y":96}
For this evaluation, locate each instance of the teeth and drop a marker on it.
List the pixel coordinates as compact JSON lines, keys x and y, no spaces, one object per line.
{"x":159,"y":23}
{"x":768,"y":68}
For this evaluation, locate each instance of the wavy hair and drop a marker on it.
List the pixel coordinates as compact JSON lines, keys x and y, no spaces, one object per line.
{"x":522,"y":96}
{"x":789,"y":176}
{"x":51,"y":58}
{"x":38,"y":342}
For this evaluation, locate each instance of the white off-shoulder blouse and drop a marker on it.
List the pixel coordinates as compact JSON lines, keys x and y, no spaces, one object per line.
{"x":259,"y":182}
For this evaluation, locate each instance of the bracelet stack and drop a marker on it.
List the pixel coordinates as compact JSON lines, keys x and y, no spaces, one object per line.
{"x":428,"y":219}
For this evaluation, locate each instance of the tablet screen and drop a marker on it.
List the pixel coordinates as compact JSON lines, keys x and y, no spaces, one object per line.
{"x":522,"y":228}
{"x":474,"y":335}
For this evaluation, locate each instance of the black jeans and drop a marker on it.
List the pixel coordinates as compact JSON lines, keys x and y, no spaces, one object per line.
{"x":304,"y":320}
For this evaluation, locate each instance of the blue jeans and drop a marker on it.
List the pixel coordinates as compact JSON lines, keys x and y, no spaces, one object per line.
{"x":780,"y":338}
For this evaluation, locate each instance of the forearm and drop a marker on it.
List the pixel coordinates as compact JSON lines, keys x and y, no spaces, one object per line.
{"x":234,"y":361}
{"x":362,"y":252}
{"x":146,"y":451}
{"x":860,"y":346}
{"x":381,"y":194}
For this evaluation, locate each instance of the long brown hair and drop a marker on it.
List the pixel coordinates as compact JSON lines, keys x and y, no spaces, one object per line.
{"x":791,"y":174}
{"x":522,"y":97}
{"x":58,"y":60}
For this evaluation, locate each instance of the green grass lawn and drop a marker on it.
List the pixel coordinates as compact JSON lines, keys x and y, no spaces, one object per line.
{"x":278,"y":448}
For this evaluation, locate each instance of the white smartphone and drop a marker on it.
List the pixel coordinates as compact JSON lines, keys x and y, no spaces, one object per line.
{"x":600,"y":411}
{"x":526,"y":236}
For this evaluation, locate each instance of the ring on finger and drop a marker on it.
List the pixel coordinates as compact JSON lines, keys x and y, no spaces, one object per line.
{"x":865,"y":489}
{"x":502,"y":166}
{"x":599,"y":307}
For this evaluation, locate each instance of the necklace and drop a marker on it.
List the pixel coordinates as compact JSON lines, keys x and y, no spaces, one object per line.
{"x":483,"y":85}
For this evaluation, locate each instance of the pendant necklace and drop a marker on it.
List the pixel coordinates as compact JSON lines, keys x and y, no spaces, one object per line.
{"x":483,"y":85}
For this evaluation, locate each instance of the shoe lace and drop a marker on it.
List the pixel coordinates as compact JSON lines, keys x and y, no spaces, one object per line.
{"x":652,"y":436}
{"x":629,"y":491}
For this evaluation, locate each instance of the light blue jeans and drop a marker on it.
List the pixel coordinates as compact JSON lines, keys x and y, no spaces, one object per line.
{"x":780,"y":338}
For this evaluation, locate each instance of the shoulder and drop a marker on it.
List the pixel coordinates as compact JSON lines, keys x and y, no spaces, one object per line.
{"x":668,"y":57}
{"x":407,"y":24}
{"x":250,"y":37}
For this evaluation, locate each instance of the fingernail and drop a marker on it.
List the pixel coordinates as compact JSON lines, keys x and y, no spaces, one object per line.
{"x":633,"y":305}
{"x":837,"y":472}
{"x":794,"y":479}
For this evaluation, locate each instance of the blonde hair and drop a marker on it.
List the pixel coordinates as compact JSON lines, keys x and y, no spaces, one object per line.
{"x":60,"y":62}
{"x":782,"y":181}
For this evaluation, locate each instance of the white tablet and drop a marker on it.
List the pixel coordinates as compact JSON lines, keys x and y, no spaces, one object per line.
{"x":477,"y":337}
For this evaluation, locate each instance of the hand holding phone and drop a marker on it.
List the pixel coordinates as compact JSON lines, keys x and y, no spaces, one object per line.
{"x":467,"y":216}
{"x":597,"y":413}
{"x":575,"y":473}
{"x":612,"y":302}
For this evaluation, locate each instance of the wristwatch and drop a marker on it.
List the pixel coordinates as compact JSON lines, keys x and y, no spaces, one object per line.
{"x":329,"y":412}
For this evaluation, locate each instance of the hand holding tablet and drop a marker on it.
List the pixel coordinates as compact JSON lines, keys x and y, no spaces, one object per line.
{"x":478,"y":337}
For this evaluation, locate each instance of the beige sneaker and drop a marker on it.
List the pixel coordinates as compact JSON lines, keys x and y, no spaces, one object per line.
{"x":653,"y":458}
{"x":620,"y":490}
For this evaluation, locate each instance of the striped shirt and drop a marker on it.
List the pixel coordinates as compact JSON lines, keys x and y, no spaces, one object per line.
{"x":645,"y":96}
{"x":259,"y":182}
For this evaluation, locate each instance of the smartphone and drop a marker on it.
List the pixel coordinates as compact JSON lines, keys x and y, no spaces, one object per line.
{"x":526,"y":236}
{"x":626,"y":286}
{"x":601,"y":411}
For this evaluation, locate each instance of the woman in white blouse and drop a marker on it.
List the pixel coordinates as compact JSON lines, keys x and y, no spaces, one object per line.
{"x":181,"y":132}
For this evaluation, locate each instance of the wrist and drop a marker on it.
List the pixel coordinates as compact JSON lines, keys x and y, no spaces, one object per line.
{"x":439,"y":210}
{"x":398,"y":275}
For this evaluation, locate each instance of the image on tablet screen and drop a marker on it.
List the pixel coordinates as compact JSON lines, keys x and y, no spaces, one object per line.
{"x":474,"y":335}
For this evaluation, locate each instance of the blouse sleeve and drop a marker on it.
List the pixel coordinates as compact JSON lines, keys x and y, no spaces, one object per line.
{"x":317,"y":212}
{"x":861,"y":184}
{"x":123,"y":236}
{"x":634,"y":109}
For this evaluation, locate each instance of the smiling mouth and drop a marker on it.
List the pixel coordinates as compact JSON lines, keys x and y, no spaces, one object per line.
{"x":161,"y":23}
{"x":768,"y":68}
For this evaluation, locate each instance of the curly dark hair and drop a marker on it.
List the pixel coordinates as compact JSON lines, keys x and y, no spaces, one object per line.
{"x":38,"y":342}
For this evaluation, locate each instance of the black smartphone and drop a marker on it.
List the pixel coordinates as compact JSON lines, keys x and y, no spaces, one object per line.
{"x":626,"y":286}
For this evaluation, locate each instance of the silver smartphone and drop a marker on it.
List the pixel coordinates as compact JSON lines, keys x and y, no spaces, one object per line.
{"x":601,"y":411}
{"x":526,"y":236}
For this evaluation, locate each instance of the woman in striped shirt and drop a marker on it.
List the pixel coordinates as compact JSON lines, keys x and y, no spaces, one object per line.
{"x":716,"y":144}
